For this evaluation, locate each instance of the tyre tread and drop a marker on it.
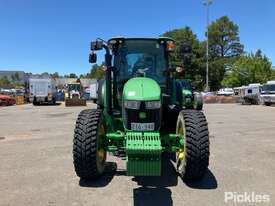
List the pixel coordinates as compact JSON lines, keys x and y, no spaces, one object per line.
{"x":85,"y":144}
{"x":197,"y":144}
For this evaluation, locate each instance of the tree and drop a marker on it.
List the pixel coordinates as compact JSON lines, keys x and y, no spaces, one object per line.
{"x":55,"y":75}
{"x":72,"y":75}
{"x":5,"y":83}
{"x":45,"y":74}
{"x":224,"y":38}
{"x":273,"y":74}
{"x":192,"y":63}
{"x":96,"y":72}
{"x":16,"y":76}
{"x":224,"y":49}
{"x":250,"y":68}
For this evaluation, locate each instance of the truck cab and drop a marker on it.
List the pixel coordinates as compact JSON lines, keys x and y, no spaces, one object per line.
{"x":268,"y":93}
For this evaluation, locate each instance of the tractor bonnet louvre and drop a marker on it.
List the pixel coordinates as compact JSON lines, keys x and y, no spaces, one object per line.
{"x":143,"y":154}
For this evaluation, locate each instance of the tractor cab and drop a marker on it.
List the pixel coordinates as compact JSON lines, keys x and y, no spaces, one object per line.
{"x":141,"y":58}
{"x":74,"y":94}
{"x":74,"y":90}
{"x":138,"y":57}
{"x":148,"y":58}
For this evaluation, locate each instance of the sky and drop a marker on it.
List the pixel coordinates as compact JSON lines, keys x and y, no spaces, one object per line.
{"x":54,"y":35}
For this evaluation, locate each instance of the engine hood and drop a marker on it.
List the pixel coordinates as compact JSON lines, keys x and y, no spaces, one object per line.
{"x":141,"y":89}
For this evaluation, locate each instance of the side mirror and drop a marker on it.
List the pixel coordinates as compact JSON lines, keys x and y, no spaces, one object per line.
{"x":186,"y":48}
{"x":168,"y":71}
{"x":96,"y":45}
{"x":92,"y":58}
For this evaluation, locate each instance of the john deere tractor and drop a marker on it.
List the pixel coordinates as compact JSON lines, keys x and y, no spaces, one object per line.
{"x":142,"y":112}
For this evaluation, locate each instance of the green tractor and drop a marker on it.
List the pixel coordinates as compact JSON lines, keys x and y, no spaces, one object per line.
{"x":143,"y":111}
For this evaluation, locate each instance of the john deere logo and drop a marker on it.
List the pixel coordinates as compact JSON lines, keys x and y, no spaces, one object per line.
{"x":142,"y":115}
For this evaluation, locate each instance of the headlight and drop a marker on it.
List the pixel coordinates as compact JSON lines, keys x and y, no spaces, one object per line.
{"x":132,"y":104}
{"x":153,"y":105}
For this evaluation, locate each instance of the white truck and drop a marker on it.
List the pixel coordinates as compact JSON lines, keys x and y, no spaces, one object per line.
{"x":42,"y":90}
{"x":268,"y":93}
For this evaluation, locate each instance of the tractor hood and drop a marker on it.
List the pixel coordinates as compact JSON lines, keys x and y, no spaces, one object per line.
{"x":141,"y":89}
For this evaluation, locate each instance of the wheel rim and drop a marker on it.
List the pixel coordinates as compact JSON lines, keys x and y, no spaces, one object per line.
{"x":101,"y":153}
{"x":180,"y":155}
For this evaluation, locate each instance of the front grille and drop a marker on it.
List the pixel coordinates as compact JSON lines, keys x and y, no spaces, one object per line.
{"x":132,"y":115}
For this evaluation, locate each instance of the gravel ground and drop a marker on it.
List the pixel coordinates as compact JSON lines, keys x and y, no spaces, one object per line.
{"x":36,"y":162}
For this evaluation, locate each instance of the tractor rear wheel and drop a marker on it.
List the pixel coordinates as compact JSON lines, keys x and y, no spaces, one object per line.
{"x":88,"y":146}
{"x":193,"y":158}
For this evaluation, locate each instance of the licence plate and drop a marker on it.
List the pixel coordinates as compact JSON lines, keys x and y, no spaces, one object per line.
{"x":142,"y":126}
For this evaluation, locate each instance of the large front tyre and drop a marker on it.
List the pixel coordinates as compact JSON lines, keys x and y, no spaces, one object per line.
{"x":193,"y":158}
{"x":89,"y":155}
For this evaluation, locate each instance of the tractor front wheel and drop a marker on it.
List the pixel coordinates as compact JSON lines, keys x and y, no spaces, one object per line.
{"x":193,"y":158}
{"x":88,"y":146}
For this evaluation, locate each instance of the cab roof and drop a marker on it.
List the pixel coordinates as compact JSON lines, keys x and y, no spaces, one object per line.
{"x":141,"y":38}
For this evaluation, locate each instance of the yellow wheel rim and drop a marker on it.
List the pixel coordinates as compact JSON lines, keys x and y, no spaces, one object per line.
{"x":181,"y":152}
{"x":101,"y":153}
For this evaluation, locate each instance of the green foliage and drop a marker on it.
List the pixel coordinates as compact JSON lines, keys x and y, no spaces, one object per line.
{"x":224,"y":49}
{"x":55,"y":75}
{"x":250,"y":68}
{"x":192,"y":63}
{"x":224,"y":40}
{"x":5,"y":82}
{"x":72,"y":75}
{"x":12,"y":82}
{"x":273,"y":74}
{"x":45,"y":74}
{"x":15,"y":77}
{"x":96,"y":72}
